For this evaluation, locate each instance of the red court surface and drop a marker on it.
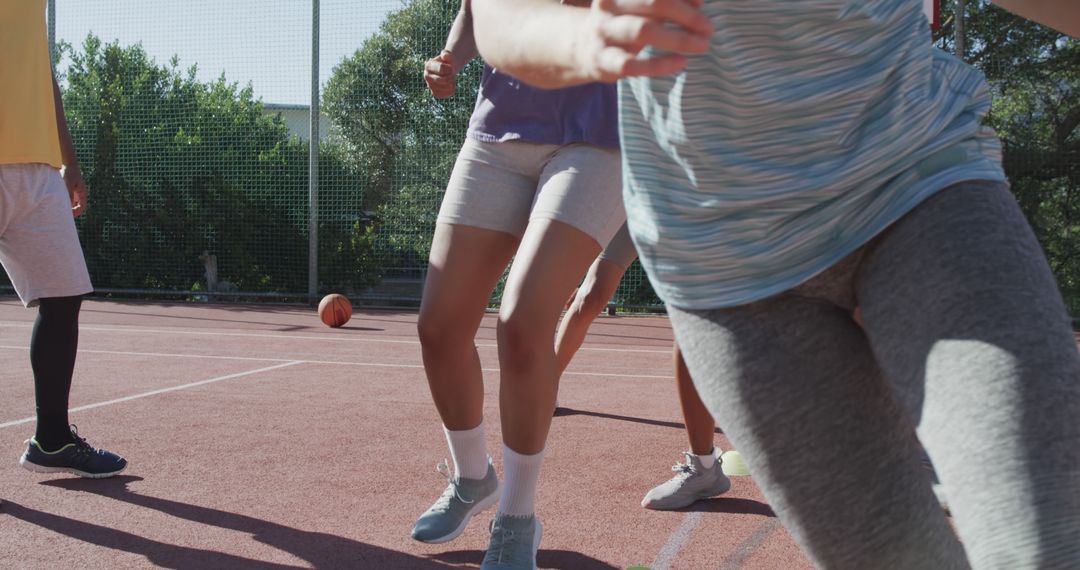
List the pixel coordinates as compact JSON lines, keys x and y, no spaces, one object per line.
{"x":258,"y":438}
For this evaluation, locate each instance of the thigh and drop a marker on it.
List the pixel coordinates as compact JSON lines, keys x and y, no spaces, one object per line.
{"x":549,"y":264}
{"x":794,"y":385}
{"x":620,"y":250}
{"x":581,"y":186}
{"x":39,"y":246}
{"x":463,"y":268}
{"x":966,"y":320}
{"x":493,"y":185}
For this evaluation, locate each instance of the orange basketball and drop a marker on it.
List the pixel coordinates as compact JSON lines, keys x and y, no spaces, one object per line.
{"x":335,"y":310}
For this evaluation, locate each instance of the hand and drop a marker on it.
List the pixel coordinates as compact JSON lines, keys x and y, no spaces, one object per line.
{"x":77,"y":189}
{"x":440,"y":76}
{"x":617,"y":30}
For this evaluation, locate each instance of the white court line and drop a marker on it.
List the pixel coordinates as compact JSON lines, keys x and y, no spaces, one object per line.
{"x":302,"y":337}
{"x":676,"y":541}
{"x":300,"y":361}
{"x":161,"y":391}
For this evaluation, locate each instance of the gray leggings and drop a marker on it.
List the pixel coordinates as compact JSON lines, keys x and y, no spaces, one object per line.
{"x":965,"y":342}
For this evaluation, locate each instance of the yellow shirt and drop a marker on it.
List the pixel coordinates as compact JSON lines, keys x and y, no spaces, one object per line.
{"x":28,"y":131}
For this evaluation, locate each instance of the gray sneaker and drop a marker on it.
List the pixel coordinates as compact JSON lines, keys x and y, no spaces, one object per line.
{"x":514,"y":542}
{"x":691,"y":483}
{"x":462,"y":499}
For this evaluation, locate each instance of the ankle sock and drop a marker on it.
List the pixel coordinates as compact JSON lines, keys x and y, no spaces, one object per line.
{"x":520,"y":474}
{"x":708,"y":460}
{"x":469,"y":450}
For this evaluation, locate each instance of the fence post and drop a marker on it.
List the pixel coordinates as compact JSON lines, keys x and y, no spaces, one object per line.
{"x":959,"y":31}
{"x":313,"y":161}
{"x":51,"y":11}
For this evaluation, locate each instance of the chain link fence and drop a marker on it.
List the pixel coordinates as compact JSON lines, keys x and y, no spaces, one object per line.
{"x":192,"y":121}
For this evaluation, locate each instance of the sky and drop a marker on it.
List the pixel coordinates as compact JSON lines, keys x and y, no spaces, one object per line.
{"x":266,"y":42}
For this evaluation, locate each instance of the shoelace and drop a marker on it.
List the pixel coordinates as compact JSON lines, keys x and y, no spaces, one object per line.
{"x":84,"y":452}
{"x":684,"y":469}
{"x":81,"y":446}
{"x":502,"y":541}
{"x":443,"y":503}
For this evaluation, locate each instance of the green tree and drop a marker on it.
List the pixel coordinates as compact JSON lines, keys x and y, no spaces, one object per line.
{"x":177,"y":167}
{"x":1035,"y":74}
{"x":401,"y":140}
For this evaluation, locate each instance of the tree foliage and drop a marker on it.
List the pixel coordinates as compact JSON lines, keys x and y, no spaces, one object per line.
{"x":177,"y":167}
{"x":401,"y":139}
{"x":1035,"y":73}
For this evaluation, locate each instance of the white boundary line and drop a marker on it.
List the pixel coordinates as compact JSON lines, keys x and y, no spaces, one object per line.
{"x":679,"y":537}
{"x":304,"y":361}
{"x":162,"y":391}
{"x":300,"y":337}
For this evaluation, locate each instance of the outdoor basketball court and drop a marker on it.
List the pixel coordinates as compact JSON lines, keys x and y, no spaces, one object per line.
{"x":258,"y":438}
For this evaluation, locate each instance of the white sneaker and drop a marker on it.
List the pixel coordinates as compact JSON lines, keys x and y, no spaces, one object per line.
{"x":691,"y":483}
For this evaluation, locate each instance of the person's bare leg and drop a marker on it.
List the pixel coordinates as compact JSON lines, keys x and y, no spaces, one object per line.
{"x":591,"y":298}
{"x":551,"y":259}
{"x":464,"y":266}
{"x":701,"y":476}
{"x":700,"y":425}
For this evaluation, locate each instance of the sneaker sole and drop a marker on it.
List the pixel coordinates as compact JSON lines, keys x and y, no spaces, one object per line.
{"x":687,"y":501}
{"x":536,"y":541}
{"x":31,"y":466}
{"x":479,"y":507}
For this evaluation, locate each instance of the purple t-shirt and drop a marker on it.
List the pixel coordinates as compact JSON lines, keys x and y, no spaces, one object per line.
{"x":507,"y":109}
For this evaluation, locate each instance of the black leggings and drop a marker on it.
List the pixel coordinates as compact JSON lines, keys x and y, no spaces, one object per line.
{"x":53,"y":346}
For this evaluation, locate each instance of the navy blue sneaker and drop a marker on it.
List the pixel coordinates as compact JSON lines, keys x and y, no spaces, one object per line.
{"x":78,"y":458}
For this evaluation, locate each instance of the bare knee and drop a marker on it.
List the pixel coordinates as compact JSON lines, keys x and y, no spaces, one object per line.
{"x":439,"y":332}
{"x":592,"y":302}
{"x":520,"y":347}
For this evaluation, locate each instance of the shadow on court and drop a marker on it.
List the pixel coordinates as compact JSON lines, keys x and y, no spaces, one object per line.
{"x":731,"y":506}
{"x":320,"y":550}
{"x":562,"y":411}
{"x":544,"y":559}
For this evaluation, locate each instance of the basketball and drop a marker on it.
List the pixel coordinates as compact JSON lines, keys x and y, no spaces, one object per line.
{"x":335,"y":310}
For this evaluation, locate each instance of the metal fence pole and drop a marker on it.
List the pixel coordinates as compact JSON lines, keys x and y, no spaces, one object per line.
{"x":959,"y":31}
{"x":313,"y":161}
{"x":51,"y":10}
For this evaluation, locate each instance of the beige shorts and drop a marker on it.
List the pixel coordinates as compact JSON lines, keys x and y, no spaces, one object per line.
{"x":502,"y":186}
{"x":620,"y":250}
{"x":39,"y":247}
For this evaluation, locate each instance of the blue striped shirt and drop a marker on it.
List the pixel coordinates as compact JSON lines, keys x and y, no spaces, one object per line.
{"x":809,"y":128}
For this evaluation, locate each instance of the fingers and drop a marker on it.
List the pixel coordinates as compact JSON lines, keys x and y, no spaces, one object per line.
{"x":615,"y":63}
{"x":78,"y":201}
{"x":439,"y":75}
{"x":635,"y":32}
{"x":673,"y":28}
{"x":685,"y":14}
{"x":438,"y":67}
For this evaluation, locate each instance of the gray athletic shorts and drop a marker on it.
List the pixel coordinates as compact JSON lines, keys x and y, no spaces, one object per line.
{"x":502,"y":186}
{"x":39,"y":247}
{"x":620,"y":250}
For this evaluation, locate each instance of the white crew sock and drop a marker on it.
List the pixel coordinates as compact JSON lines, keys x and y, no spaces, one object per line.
{"x":520,"y":473}
{"x":708,"y":460}
{"x":469,"y":449}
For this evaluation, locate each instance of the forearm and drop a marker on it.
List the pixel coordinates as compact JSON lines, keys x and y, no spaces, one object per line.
{"x":67,"y":149}
{"x":460,"y":41}
{"x":1061,"y":15}
{"x":532,"y":40}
